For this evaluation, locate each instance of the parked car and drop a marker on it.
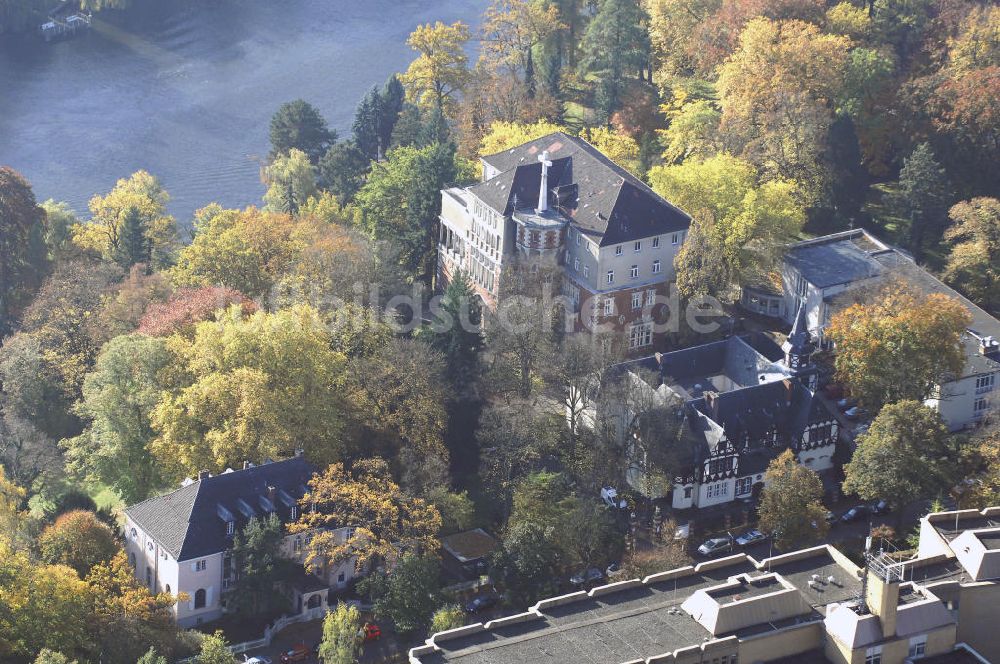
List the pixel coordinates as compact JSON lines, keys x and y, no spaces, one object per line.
{"x":298,"y":653}
{"x":481,"y":603}
{"x":830,"y":517}
{"x":587,"y":576}
{"x":259,"y":659}
{"x":855,"y":412}
{"x":855,"y":513}
{"x":750,"y":537}
{"x":846,"y":403}
{"x":610,"y":496}
{"x":370,"y":632}
{"x":880,"y":507}
{"x":716,"y":545}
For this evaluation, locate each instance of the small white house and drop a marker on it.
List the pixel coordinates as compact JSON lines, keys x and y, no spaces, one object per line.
{"x":180,"y":542}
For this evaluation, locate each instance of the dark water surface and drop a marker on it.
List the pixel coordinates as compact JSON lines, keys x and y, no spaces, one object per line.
{"x":186,"y":88}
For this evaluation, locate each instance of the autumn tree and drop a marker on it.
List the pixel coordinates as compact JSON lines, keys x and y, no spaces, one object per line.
{"x":906,"y":455}
{"x":187,"y":307}
{"x":340,"y":644}
{"x":43,"y":366}
{"x":127,"y":619}
{"x":898,"y":345}
{"x":693,"y":132}
{"x":30,"y":457}
{"x":506,"y":135}
{"x":46,"y":606}
{"x":291,"y":181}
{"x":385,"y":522}
{"x":246,"y":250}
{"x":510,"y":29}
{"x":77,"y":539}
{"x":449,"y":616}
{"x":974,"y":260}
{"x":509,"y":448}
{"x":790,"y":507}
{"x":119,"y":396}
{"x":251,"y":388}
{"x":215,"y":650}
{"x":298,"y":125}
{"x":134,"y":212}
{"x":408,"y":593}
{"x":982,"y":462}
{"x":47,"y":656}
{"x":776,"y":93}
{"x":752,"y":219}
{"x":122,"y":310}
{"x":700,"y":265}
{"x":441,"y":69}
{"x":23,"y":254}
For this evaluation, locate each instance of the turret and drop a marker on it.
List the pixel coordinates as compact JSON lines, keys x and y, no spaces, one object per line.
{"x":799,"y":347}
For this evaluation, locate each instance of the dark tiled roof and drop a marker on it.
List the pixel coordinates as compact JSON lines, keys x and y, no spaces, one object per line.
{"x":746,"y":415}
{"x":187,"y":522}
{"x":602,"y":198}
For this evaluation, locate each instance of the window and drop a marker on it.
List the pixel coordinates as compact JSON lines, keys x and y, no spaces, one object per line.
{"x":638,"y":246}
{"x":297,"y":544}
{"x":199,"y":598}
{"x":135,"y":533}
{"x":687,"y":491}
{"x":577,"y":238}
{"x":341,"y":577}
{"x":149,"y":545}
{"x":609,"y":306}
{"x":743,"y":485}
{"x":166,"y":588}
{"x":200,"y":566}
{"x":295,"y":512}
{"x":984,"y":384}
{"x":640,"y":334}
{"x":611,"y":276}
{"x":149,"y":576}
{"x":675,"y":238}
{"x":656,"y":242}
{"x":980,"y":406}
{"x":634,"y":272}
{"x":618,"y":250}
{"x":131,"y":560}
{"x":801,"y":286}
{"x":656,"y":267}
{"x":650,"y":297}
{"x":586,"y":272}
{"x":637,"y":300}
{"x":230,"y":528}
{"x":918,"y":646}
{"x":873,"y":655}
{"x":576,"y":264}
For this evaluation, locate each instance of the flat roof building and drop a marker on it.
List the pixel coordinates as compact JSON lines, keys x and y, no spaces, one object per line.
{"x":812,"y":605}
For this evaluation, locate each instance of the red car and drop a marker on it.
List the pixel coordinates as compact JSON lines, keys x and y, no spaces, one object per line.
{"x":299,"y":652}
{"x":370,"y":632}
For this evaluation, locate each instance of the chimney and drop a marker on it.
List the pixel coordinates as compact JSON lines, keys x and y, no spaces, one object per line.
{"x":882,"y":598}
{"x":204,"y":475}
{"x":990,"y":347}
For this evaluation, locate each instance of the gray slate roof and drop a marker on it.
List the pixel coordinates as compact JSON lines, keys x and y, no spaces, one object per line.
{"x":603,"y":199}
{"x":186,"y":522}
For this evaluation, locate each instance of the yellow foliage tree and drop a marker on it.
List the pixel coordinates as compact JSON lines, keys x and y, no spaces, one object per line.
{"x":385,"y":522}
{"x":897,"y":344}
{"x":506,"y":135}
{"x":142,"y":194}
{"x":441,"y":69}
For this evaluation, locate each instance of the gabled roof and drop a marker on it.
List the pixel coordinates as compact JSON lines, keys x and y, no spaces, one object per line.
{"x":190,"y":521}
{"x":603,"y":199}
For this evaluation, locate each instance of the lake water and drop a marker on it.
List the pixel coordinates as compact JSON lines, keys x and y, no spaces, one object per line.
{"x":186,"y":88}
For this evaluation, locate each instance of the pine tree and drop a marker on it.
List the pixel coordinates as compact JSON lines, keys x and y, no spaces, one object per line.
{"x":850,"y":180}
{"x":616,"y":43}
{"x":436,"y":168}
{"x":366,"y":124}
{"x":299,"y":125}
{"x":393,"y":98}
{"x":461,"y":338}
{"x":923,"y":195}
{"x":134,"y":245}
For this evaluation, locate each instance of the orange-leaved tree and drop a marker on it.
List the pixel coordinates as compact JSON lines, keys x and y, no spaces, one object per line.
{"x":383,"y":521}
